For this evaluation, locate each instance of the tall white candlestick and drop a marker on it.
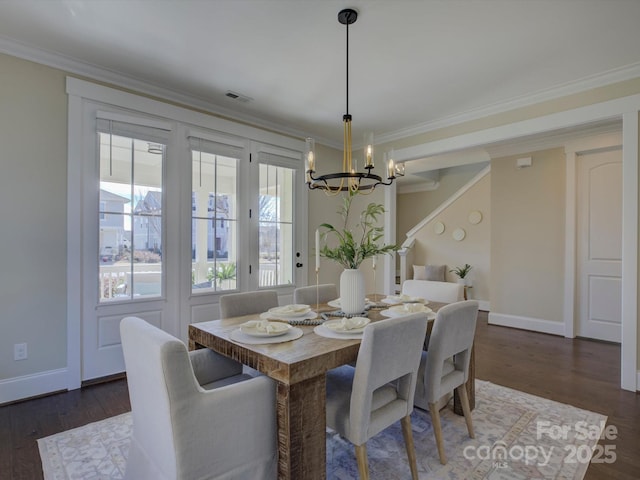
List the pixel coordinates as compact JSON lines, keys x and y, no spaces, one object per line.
{"x":374,"y":262}
{"x":317,"y":249}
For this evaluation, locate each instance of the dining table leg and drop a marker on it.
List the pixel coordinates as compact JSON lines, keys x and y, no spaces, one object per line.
{"x":301,"y":415}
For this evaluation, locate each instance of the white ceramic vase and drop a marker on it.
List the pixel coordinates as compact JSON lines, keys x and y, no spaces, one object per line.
{"x":352,"y":294}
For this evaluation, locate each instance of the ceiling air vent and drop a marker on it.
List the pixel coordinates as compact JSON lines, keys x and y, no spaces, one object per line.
{"x":237,"y":96}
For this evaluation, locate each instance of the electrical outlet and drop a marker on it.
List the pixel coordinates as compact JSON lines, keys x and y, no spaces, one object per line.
{"x":20,"y":351}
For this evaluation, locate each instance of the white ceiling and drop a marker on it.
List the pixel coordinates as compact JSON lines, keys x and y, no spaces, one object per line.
{"x":414,"y":64}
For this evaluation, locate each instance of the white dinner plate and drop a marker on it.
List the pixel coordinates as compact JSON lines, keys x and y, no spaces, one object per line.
{"x":310,"y":315}
{"x":407,"y":308}
{"x":254,"y":329}
{"x":290,"y":311}
{"x":336,"y":303}
{"x":338,"y":326}
{"x":431,"y":315}
{"x":400,"y":310}
{"x":396,"y":299}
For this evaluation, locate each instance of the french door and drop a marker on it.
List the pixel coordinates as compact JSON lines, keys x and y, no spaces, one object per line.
{"x":172,"y":218}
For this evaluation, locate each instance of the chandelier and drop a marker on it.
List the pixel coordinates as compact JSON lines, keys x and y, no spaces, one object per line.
{"x":349,"y":179}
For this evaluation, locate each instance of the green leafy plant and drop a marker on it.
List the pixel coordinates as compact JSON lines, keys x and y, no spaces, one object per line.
{"x":224,"y":271}
{"x":462,"y":271}
{"x":357,"y":244}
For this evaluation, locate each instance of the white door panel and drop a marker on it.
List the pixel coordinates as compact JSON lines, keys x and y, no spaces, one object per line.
{"x":599,"y":253}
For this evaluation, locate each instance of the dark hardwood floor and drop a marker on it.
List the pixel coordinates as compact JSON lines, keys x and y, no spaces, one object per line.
{"x":583,"y":373}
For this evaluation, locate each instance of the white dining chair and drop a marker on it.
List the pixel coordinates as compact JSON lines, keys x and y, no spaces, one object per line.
{"x":192,"y":411}
{"x":445,"y":365}
{"x":246,"y":303}
{"x":315,"y":294}
{"x":364,"y":400}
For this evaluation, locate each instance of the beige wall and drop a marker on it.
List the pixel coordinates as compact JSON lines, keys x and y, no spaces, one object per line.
{"x":527,"y":236}
{"x":323,"y":209}
{"x":33,"y":216}
{"x":431,"y":248}
{"x":412,"y":208}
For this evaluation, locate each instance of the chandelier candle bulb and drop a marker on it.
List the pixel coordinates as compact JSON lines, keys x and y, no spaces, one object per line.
{"x":310,"y":157}
{"x":310,"y":162}
{"x":368,"y":150}
{"x":391,"y":169}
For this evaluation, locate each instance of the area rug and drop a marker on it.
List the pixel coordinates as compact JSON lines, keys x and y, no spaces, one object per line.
{"x":518,"y":436}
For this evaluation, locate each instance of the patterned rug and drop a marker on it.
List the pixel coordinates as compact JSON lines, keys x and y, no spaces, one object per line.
{"x":518,"y":436}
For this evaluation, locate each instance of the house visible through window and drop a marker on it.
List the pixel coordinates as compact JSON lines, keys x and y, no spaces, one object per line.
{"x":130,"y":212}
{"x":214,"y":224}
{"x":276,"y":224}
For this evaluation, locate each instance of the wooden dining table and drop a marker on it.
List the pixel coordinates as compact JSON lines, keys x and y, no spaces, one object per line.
{"x":299,"y":369}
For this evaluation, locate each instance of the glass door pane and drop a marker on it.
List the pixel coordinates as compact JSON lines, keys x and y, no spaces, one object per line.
{"x":214,"y":222}
{"x":276,"y":239}
{"x":130,"y":217}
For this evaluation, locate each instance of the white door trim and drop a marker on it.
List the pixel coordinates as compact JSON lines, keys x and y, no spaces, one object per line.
{"x":629,"y":353}
{"x":626,"y":108}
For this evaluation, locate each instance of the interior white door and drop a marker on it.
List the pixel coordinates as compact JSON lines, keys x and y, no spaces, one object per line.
{"x":599,"y":249}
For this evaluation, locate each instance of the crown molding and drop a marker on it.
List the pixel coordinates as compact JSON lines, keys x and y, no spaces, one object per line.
{"x":118,"y":79}
{"x":609,"y":77}
{"x":552,"y":140}
{"x":71,"y":65}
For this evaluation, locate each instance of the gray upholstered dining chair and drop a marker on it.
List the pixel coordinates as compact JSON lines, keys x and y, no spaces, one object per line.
{"x":315,"y":294}
{"x":445,"y":365}
{"x":246,"y":303}
{"x":191,"y":411}
{"x":364,"y":400}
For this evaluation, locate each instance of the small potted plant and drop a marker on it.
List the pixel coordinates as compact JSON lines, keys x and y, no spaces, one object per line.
{"x":223,"y":275}
{"x":462,"y":273}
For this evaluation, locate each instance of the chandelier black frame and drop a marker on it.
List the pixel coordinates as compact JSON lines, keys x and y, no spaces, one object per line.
{"x":348,"y":179}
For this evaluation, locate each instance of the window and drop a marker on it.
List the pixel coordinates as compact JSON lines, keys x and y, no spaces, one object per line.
{"x":214,"y":221}
{"x":130,"y":211}
{"x":276,"y":223}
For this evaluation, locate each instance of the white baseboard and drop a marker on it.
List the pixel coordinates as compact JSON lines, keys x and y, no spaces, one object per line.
{"x":27,"y":386}
{"x":483,"y":305}
{"x":527,"y":323}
